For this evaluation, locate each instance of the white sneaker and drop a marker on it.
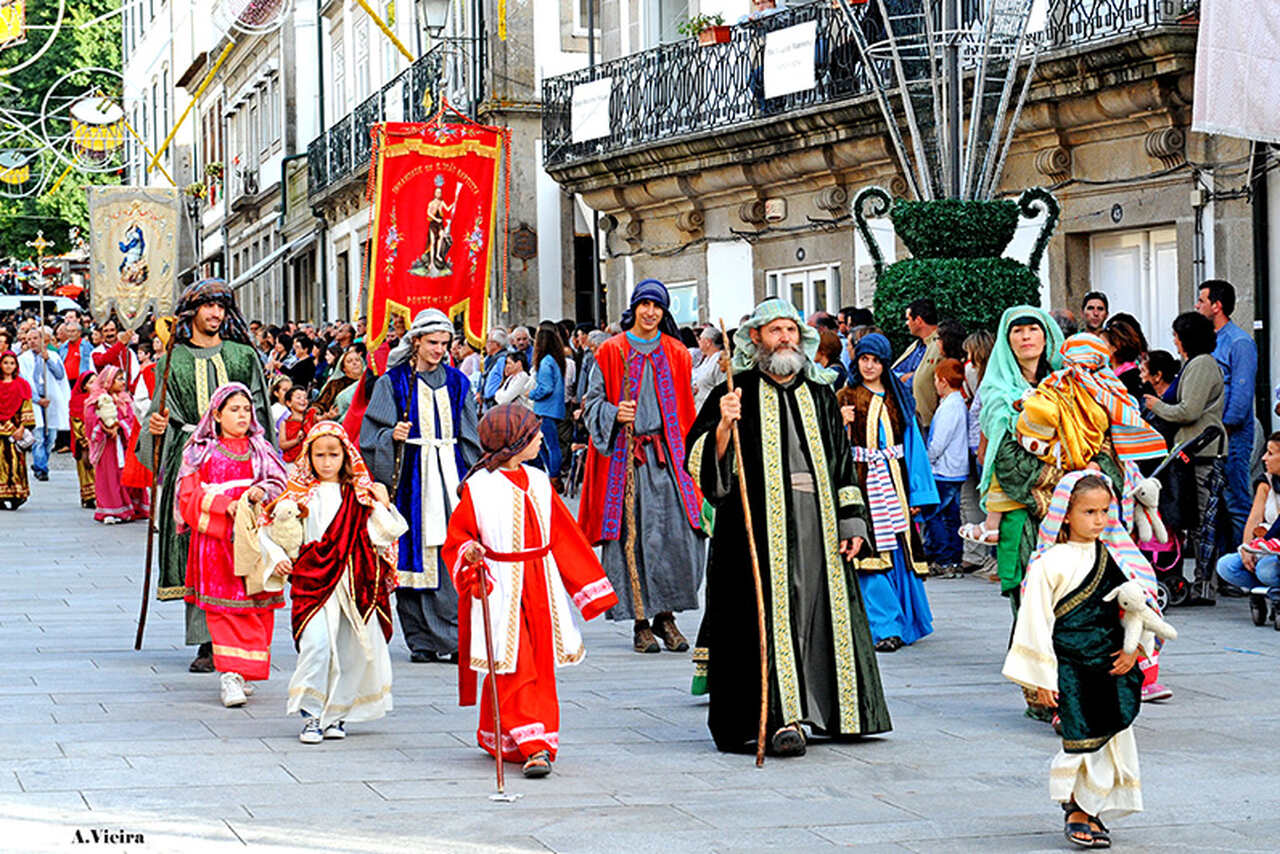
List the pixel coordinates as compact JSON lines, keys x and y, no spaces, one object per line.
{"x":232,"y":689}
{"x":311,"y":733}
{"x":335,"y":730}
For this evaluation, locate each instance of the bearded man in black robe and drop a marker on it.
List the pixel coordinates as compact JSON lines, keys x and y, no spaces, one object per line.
{"x":809,"y":518}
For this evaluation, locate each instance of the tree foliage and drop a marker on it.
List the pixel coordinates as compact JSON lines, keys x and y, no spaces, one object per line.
{"x":99,"y":45}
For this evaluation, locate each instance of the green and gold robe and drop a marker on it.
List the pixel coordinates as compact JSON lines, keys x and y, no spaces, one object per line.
{"x":804,"y":500}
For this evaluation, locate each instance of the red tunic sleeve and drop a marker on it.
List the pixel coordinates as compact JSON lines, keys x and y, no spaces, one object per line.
{"x":580,"y":570}
{"x":110,"y":356}
{"x":204,"y":510}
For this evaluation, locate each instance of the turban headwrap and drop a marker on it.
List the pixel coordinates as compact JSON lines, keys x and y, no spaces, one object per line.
{"x":505,"y":431}
{"x":234,"y":327}
{"x":427,"y":321}
{"x":746,"y":353}
{"x":654,"y":291}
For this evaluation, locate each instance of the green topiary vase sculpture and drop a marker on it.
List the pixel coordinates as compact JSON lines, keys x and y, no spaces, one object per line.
{"x":955,"y":258}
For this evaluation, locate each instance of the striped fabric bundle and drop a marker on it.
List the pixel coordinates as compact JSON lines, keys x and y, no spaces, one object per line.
{"x":1086,"y":367}
{"x":1115,"y":538}
{"x":887,"y":518}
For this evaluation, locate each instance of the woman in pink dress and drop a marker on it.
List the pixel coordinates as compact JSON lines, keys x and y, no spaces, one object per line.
{"x":109,"y":448}
{"x":228,"y":456}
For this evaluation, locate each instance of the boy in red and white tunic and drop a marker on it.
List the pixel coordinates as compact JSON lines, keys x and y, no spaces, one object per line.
{"x":535,"y":560}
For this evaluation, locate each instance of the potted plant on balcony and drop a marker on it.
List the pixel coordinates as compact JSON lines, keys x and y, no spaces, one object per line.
{"x":195,"y":190}
{"x":709,"y":29}
{"x":213,"y":171}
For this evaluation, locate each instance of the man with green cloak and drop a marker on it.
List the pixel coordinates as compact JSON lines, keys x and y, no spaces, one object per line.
{"x":210,"y":348}
{"x":809,"y":520}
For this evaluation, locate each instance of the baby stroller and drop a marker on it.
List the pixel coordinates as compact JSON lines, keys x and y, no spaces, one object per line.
{"x":1178,"y":510}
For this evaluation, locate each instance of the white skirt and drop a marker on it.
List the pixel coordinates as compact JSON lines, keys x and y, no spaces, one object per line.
{"x":1105,"y":783}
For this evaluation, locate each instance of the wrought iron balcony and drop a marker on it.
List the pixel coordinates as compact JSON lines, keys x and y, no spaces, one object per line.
{"x":683,"y":88}
{"x":344,"y":149}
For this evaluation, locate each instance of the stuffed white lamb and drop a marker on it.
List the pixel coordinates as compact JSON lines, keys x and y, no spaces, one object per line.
{"x":1142,"y":625}
{"x":286,"y":528}
{"x":108,"y":412}
{"x":1147,"y":524}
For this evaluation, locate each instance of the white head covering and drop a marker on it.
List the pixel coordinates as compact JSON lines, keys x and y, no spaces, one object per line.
{"x":745,"y":350}
{"x":428,"y":320}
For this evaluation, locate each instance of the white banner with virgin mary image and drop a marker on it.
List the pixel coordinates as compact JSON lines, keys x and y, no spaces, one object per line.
{"x":134,"y":251}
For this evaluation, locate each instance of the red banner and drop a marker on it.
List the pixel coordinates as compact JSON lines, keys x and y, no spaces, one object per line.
{"x":435,"y":196}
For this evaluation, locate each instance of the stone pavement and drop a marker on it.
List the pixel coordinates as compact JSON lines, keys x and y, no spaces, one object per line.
{"x":97,"y":736}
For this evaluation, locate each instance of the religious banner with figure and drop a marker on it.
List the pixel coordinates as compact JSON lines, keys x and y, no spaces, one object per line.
{"x":435,"y":192}
{"x":133,"y":266}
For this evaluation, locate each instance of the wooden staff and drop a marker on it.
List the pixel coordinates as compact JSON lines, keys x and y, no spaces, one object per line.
{"x":755,"y":564}
{"x":157,"y":442}
{"x":629,"y":501}
{"x":399,"y":456}
{"x":479,"y":567}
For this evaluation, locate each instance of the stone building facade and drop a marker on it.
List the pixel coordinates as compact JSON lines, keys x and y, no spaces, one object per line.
{"x":730,"y":196}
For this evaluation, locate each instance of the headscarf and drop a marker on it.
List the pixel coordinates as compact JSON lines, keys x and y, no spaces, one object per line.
{"x":267,"y":465}
{"x":427,"y":321}
{"x":101,"y":385}
{"x":13,"y":392}
{"x":302,"y":478}
{"x":234,"y":327}
{"x":654,"y":291}
{"x":1115,"y":538}
{"x":504,"y":431}
{"x":1003,"y":384}
{"x":1087,"y":373}
{"x":745,"y":352}
{"x":878,"y":345}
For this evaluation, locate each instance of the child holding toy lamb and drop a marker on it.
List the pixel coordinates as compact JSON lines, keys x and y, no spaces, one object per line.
{"x":1073,"y":647}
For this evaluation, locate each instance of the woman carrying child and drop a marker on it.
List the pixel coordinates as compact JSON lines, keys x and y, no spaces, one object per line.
{"x":341,"y":581}
{"x":512,"y":538}
{"x":1068,"y":648}
{"x":109,"y":447}
{"x":228,"y":457}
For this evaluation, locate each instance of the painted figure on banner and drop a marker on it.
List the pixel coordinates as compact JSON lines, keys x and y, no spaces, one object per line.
{"x":435,"y":261}
{"x":133,"y":269}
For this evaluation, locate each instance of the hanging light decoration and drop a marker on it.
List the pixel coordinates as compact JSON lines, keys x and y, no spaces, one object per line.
{"x":97,"y":127}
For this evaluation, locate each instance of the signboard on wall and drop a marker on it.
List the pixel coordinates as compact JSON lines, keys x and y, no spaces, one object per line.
{"x":589,"y":110}
{"x":788,"y":59}
{"x":684,"y":303}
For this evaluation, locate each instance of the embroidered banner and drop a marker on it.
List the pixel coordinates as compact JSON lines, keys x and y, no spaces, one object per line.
{"x":435,"y":195}
{"x":133,"y":251}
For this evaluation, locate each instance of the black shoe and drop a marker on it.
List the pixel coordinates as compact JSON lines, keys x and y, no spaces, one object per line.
{"x":788,"y":741}
{"x":203,"y":662}
{"x":452,"y":658}
{"x":422,"y":656}
{"x":41,"y":475}
{"x":892,"y":644}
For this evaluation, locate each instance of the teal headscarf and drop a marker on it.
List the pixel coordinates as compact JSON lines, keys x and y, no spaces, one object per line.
{"x":1003,"y":383}
{"x":775,"y":308}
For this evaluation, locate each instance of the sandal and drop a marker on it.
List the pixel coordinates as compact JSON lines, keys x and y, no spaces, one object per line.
{"x":1101,"y":836}
{"x":1073,"y":830}
{"x":976,"y":532}
{"x":537,"y":765}
{"x":788,"y":741}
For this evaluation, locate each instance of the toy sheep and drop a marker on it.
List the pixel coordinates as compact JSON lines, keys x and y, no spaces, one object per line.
{"x":1147,"y":524}
{"x":108,"y":412}
{"x":1141,"y":622}
{"x":286,"y":528}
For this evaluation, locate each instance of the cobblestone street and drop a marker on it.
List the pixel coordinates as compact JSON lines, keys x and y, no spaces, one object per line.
{"x":97,"y":736}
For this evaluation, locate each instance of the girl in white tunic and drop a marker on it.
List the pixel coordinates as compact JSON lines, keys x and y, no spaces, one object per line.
{"x":1068,"y":648}
{"x":341,"y":581}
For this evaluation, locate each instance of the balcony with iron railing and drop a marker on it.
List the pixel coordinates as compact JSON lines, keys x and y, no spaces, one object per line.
{"x":413,"y":95}
{"x":687,"y":90}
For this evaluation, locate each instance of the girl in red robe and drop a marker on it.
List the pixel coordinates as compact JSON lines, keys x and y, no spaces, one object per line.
{"x":227,"y":458}
{"x":535,"y":559}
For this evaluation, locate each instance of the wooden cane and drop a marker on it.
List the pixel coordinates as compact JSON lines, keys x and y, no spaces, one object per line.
{"x":629,"y":503}
{"x":755,"y":564}
{"x":493,"y":674}
{"x":157,"y":442}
